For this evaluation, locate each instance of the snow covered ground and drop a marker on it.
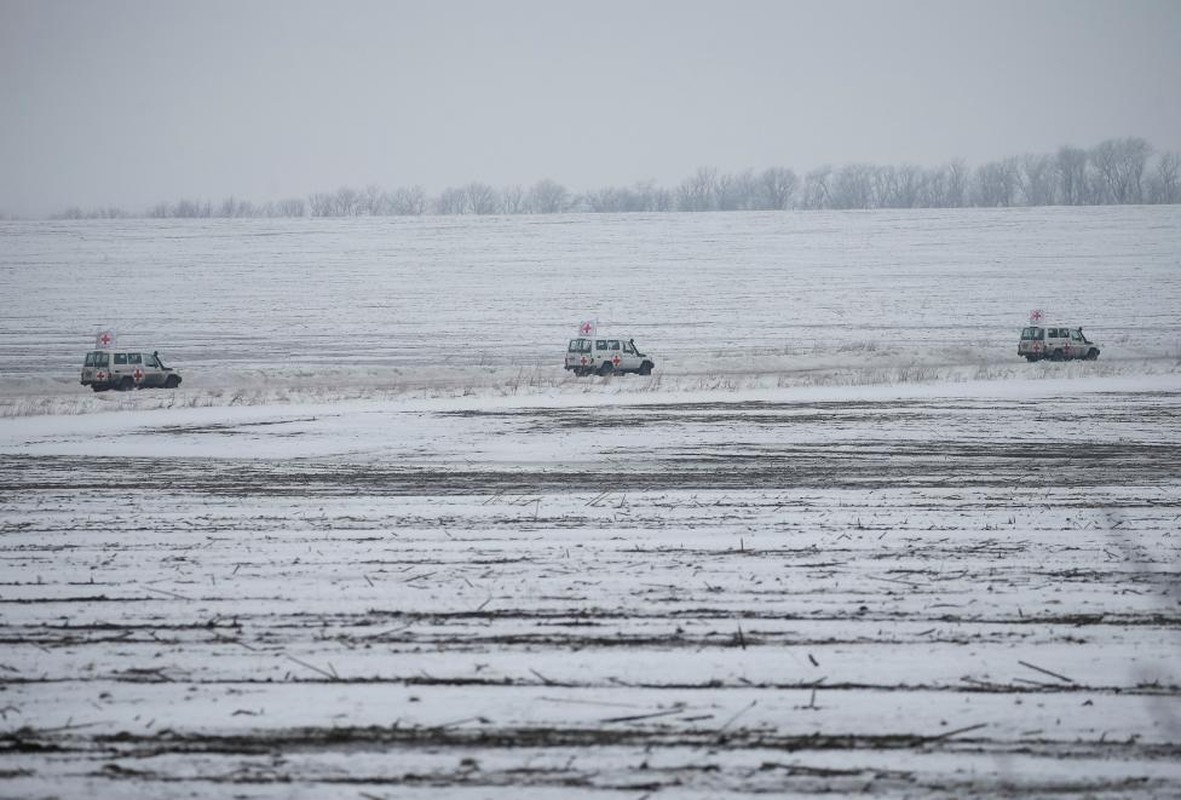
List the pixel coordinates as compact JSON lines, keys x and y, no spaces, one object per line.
{"x":258,"y":311}
{"x":843,"y":539}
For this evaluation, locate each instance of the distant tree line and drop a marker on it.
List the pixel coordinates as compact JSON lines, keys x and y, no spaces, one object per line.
{"x":1114,"y":172}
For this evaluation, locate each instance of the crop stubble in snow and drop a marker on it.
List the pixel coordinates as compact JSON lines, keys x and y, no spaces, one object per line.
{"x":843,"y":540}
{"x":765,"y":597}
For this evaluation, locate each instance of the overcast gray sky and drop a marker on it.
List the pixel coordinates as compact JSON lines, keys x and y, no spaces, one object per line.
{"x":131,"y":102}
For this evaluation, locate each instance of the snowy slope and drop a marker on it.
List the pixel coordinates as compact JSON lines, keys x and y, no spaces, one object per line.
{"x":843,"y":541}
{"x":265,"y":310}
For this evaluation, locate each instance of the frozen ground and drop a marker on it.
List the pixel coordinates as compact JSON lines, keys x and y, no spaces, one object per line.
{"x":777,"y":566}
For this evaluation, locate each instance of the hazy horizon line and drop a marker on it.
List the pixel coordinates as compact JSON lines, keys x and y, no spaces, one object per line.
{"x":1012,"y":174}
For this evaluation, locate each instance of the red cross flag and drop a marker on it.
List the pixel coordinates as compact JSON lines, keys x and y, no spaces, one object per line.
{"x":105,"y":340}
{"x":1037,"y":315}
{"x":587,"y":327}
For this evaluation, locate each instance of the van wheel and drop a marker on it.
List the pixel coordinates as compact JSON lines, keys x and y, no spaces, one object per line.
{"x":1031,"y":358}
{"x":1057,"y":355}
{"x":99,"y":387}
{"x":127,"y":384}
{"x":172,"y":381}
{"x":606,"y":368}
{"x":1092,"y":354}
{"x":646,"y":368}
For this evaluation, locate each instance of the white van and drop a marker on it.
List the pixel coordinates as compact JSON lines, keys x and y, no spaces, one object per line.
{"x":123,"y":370}
{"x":1055,"y":343}
{"x":591,"y":355}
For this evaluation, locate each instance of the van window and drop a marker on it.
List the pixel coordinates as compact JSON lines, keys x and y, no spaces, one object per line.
{"x":89,"y":360}
{"x":120,"y":358}
{"x":102,"y":360}
{"x":152,"y":362}
{"x":135,"y":358}
{"x":1033,"y":333}
{"x":580,"y":346}
{"x":600,"y":344}
{"x":614,"y":344}
{"x":627,"y":348}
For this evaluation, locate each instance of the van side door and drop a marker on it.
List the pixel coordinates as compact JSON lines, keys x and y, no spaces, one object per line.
{"x":153,"y":374}
{"x":615,"y":353}
{"x":601,"y":354}
{"x":119,"y":368}
{"x":135,"y":368}
{"x":631,"y":359}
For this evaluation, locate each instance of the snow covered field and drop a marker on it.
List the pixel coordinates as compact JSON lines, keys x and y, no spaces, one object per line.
{"x":255,"y":311}
{"x":379,"y":545}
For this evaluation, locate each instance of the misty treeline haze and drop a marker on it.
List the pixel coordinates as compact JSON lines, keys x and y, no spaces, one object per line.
{"x":1114,"y":172}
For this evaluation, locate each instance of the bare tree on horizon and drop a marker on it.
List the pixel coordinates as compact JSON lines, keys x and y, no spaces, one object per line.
{"x":1115,"y":171}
